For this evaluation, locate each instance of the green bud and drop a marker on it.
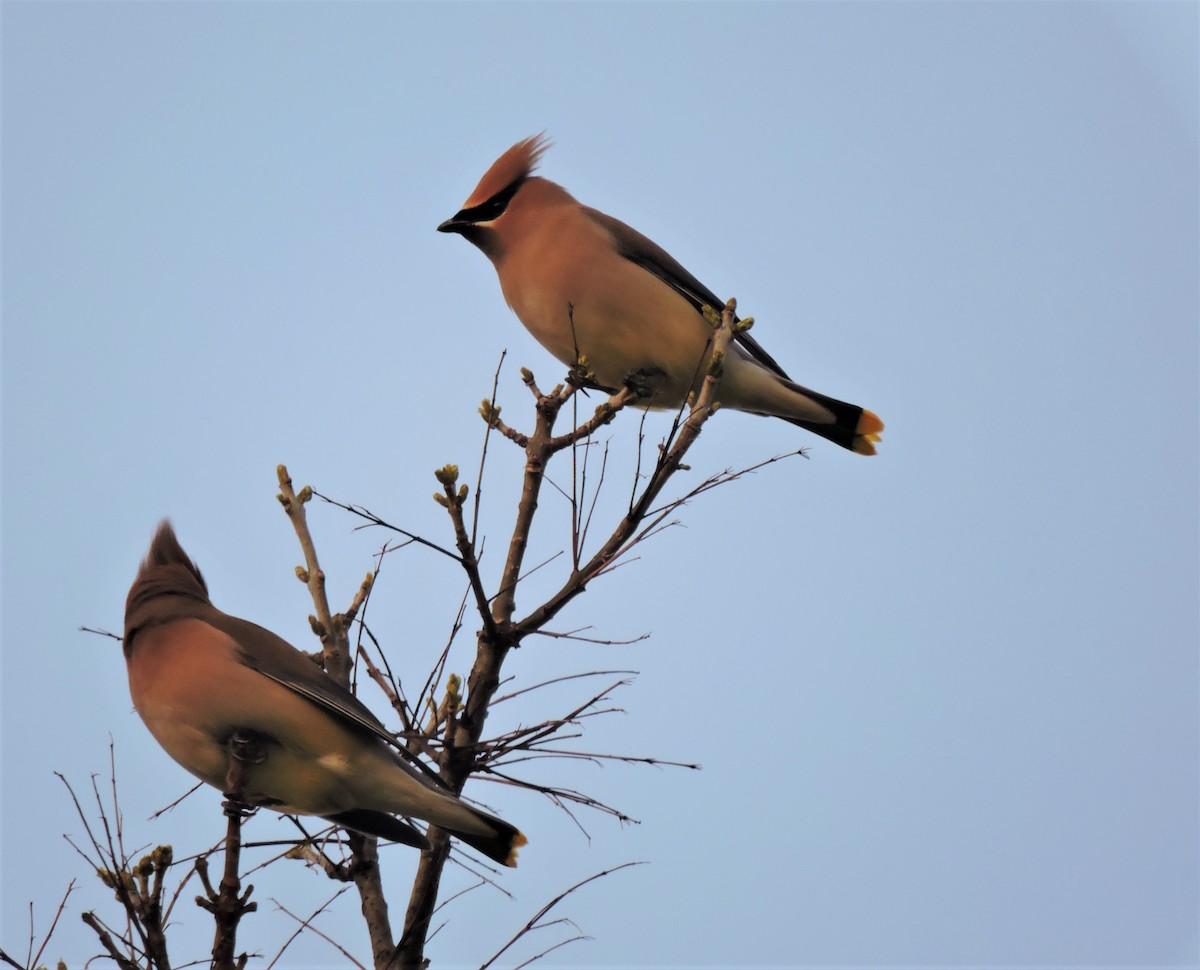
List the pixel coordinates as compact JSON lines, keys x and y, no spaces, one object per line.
{"x":302,"y":574}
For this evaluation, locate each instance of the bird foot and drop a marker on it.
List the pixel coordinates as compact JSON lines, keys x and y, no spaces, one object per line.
{"x":248,"y":747}
{"x":645,"y":382}
{"x":244,"y":748}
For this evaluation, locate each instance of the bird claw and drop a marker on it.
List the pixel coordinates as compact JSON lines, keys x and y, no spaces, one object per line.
{"x":234,"y":807}
{"x":645,"y":382}
{"x":248,"y":747}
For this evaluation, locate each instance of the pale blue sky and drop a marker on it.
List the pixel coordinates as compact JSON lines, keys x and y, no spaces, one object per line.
{"x":946,"y":699}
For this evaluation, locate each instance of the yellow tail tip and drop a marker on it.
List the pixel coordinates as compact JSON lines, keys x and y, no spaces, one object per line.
{"x":867,"y":432}
{"x":518,"y":841}
{"x":869,"y":424}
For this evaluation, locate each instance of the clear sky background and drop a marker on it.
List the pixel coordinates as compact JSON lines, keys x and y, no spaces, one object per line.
{"x":945,"y":699}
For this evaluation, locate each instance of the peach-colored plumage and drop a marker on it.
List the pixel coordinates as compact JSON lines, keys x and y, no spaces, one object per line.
{"x":200,"y":679}
{"x":589,"y":287}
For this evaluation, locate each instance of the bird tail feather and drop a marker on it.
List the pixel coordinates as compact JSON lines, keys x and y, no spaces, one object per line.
{"x":852,"y":427}
{"x":381,"y":825}
{"x":501,"y":845}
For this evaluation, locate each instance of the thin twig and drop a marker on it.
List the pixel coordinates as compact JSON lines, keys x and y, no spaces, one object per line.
{"x":306,"y":924}
{"x":533,"y":923}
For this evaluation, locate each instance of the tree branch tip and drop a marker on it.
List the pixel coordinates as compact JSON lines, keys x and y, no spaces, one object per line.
{"x":447,"y":475}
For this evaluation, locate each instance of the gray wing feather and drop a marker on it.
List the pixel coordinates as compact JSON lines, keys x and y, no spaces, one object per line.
{"x":274,"y":657}
{"x":658,"y":262}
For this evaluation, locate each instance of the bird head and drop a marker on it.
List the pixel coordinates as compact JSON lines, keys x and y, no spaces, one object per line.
{"x":477,"y":218}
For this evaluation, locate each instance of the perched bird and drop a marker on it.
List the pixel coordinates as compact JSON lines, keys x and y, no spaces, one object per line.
{"x":208,"y":684}
{"x":587,"y":285}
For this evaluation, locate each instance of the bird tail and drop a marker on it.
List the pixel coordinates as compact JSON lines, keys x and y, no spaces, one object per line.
{"x":500,"y":845}
{"x":381,"y":825}
{"x":852,"y":427}
{"x":494,"y":837}
{"x":500,"y":842}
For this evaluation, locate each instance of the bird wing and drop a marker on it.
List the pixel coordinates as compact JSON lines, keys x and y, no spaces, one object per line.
{"x":658,"y":262}
{"x":273,"y":657}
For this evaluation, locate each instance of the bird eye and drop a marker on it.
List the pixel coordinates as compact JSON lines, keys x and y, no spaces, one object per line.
{"x":494,"y":207}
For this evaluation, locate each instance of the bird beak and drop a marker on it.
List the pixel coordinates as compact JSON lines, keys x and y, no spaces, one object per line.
{"x":454,"y":224}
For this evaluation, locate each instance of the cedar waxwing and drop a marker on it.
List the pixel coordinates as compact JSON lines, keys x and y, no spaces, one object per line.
{"x":587,"y":285}
{"x":204,"y":682}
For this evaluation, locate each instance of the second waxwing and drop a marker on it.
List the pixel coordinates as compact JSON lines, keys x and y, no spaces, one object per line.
{"x":591,"y":288}
{"x":213,"y":688}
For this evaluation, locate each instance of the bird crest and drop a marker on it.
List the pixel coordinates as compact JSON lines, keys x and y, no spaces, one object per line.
{"x":166,"y":571}
{"x":514,"y":165}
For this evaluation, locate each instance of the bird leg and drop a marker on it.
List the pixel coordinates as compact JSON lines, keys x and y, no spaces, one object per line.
{"x":244,"y":747}
{"x":645,"y":382}
{"x":229,"y":903}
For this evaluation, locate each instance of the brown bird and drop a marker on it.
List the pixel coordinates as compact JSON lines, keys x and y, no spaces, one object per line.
{"x":205,"y":683}
{"x":588,"y":286}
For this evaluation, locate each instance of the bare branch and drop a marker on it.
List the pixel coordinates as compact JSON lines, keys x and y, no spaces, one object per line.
{"x":330,"y":629}
{"x":306,"y":924}
{"x":373,"y":520}
{"x":487,"y":436}
{"x":535,"y":922}
{"x":99,"y":632}
{"x":559,"y":680}
{"x":170,"y":807}
{"x":335,"y":639}
{"x":33,"y":959}
{"x":452,"y":500}
{"x":604,"y":642}
{"x":138,"y":887}
{"x":671,"y":458}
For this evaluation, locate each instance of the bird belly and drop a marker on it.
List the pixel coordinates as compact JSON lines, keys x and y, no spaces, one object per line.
{"x":619,"y":317}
